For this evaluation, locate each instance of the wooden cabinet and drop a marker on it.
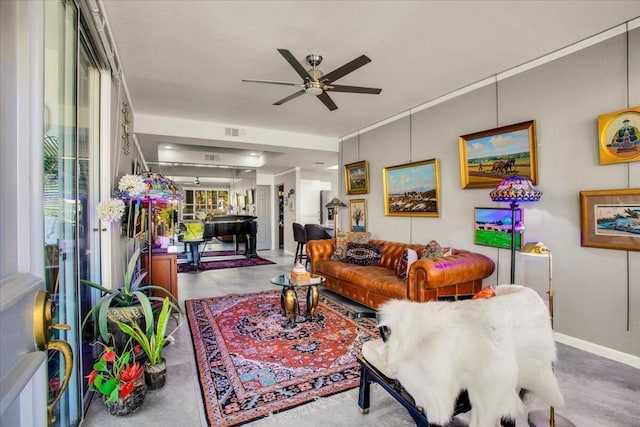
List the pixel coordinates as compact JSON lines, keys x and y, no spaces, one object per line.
{"x":164,"y":272}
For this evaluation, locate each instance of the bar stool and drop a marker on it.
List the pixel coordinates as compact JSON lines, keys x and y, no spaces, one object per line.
{"x":300,"y":237}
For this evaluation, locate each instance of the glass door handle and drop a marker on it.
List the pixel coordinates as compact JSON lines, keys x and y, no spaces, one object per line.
{"x":43,"y":314}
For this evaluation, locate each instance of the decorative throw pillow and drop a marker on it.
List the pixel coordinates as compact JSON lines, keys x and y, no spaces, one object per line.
{"x":485,"y":293}
{"x":344,"y":238}
{"x":363,"y":254}
{"x":434,"y":250}
{"x":408,"y":257}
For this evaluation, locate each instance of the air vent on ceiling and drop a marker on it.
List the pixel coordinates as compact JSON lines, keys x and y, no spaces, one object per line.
{"x":211,"y":157}
{"x":234,"y":132}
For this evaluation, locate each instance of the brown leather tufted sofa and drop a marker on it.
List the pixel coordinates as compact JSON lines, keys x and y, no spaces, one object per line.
{"x":429,"y":279}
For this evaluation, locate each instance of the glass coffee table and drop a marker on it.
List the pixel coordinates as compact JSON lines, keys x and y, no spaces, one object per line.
{"x":289,"y":300}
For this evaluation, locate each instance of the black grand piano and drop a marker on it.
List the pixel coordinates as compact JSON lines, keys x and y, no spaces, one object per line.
{"x":234,"y":225}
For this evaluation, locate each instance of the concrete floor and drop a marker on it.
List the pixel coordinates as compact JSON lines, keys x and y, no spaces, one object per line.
{"x":598,"y":392}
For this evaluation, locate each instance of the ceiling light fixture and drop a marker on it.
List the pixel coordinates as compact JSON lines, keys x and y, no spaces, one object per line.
{"x":313,"y":88}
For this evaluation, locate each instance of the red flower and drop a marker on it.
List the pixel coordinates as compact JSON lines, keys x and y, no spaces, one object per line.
{"x":109,"y":355}
{"x":131,"y":372}
{"x":92,"y":376}
{"x":54,"y":384}
{"x":137,"y":348}
{"x":126,"y":389}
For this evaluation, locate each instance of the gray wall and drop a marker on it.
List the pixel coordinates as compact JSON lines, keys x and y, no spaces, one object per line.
{"x":564,"y":97}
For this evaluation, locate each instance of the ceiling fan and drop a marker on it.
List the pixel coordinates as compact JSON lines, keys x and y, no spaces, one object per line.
{"x":315,"y":82}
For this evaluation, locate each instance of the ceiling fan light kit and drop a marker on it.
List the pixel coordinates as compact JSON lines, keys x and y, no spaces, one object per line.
{"x":314,"y":82}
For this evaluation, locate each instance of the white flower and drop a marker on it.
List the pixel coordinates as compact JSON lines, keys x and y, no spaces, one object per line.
{"x":132,"y":185}
{"x":110,"y":210}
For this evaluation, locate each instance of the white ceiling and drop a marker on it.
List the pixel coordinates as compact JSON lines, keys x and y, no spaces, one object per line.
{"x":186,"y":59}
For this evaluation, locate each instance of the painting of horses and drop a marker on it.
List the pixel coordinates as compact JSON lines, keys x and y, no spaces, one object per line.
{"x":493,"y":227}
{"x":412,"y":189}
{"x":490,"y":156}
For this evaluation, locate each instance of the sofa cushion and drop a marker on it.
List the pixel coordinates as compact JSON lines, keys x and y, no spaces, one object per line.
{"x":434,"y":250}
{"x":344,"y":238}
{"x":363,"y":254}
{"x":408,"y":257}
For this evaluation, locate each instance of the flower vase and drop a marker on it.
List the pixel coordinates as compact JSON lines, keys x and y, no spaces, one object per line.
{"x":125,"y":406}
{"x":155,"y":375}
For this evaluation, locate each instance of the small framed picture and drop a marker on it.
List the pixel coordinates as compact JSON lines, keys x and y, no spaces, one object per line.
{"x":610,"y":219}
{"x":619,"y":136}
{"x":491,"y":156}
{"x":356,"y":177}
{"x":358,"y":214}
{"x":493,"y":227}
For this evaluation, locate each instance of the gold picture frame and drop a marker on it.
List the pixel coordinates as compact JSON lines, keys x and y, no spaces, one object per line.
{"x":412,"y":189}
{"x":358,"y":214}
{"x":490,"y":156}
{"x":619,"y":136}
{"x":356,"y":177}
{"x":610,"y":219}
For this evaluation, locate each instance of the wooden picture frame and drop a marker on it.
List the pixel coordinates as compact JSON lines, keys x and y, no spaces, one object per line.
{"x":619,"y":136}
{"x":490,"y":156}
{"x":610,"y":219}
{"x":358,"y":214}
{"x":412,"y":189}
{"x":356,"y":177}
{"x":493,"y":227}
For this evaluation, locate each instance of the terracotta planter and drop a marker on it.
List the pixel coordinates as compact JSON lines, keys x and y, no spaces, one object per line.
{"x":130,"y":404}
{"x":155,"y":375}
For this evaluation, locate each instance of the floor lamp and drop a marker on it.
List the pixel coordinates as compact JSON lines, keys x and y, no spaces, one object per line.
{"x":334,"y":204}
{"x":157,"y":188}
{"x":514,"y":190}
{"x":540,"y":417}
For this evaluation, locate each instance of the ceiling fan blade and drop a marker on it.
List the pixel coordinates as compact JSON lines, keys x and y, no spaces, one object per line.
{"x":273,"y":82}
{"x":290,"y":97}
{"x":295,"y":64}
{"x":346,"y":69}
{"x":326,"y":100}
{"x":353,"y":89}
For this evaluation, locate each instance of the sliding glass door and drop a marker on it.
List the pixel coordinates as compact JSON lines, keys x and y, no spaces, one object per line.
{"x":71,"y":159}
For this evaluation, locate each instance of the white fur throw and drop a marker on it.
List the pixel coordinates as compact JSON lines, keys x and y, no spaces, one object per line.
{"x":490,"y":347}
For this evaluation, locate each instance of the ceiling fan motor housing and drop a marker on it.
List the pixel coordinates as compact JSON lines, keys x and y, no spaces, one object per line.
{"x":314,"y":59}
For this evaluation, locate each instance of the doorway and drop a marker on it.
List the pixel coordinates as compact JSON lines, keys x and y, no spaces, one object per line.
{"x":281,"y":216}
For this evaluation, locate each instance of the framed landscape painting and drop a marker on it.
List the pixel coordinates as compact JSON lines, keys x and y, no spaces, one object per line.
{"x":619,"y":136}
{"x":356,"y":177}
{"x":490,"y":156}
{"x":358,"y":214}
{"x":493,"y":227}
{"x":412,"y":189}
{"x":610,"y":219}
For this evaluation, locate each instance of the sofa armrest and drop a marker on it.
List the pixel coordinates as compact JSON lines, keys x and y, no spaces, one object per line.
{"x":461,"y":267}
{"x":318,"y":250}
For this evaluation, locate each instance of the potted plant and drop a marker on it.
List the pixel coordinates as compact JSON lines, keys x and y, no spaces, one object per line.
{"x":152,"y":343}
{"x":127,"y":303}
{"x":118,"y":380}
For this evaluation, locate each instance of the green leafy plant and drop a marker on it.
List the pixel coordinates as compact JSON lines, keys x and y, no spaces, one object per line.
{"x":153,"y":342}
{"x":112,"y":375}
{"x":132,"y":292}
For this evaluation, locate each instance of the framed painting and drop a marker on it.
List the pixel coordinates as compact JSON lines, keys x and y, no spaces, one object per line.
{"x":490,"y":156}
{"x":358,"y":214}
{"x":619,"y":137}
{"x":412,"y":189}
{"x":610,"y":219}
{"x":356,"y":177}
{"x":493,"y":227}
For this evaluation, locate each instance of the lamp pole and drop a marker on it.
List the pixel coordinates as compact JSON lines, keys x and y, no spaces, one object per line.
{"x":514,"y":207}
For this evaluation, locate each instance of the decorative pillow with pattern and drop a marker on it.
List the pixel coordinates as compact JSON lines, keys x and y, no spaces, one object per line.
{"x":408,"y":257}
{"x":344,"y":238}
{"x":363,"y":254}
{"x":434,"y":250}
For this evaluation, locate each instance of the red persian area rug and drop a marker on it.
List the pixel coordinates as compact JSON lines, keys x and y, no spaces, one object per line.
{"x":249,"y":366}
